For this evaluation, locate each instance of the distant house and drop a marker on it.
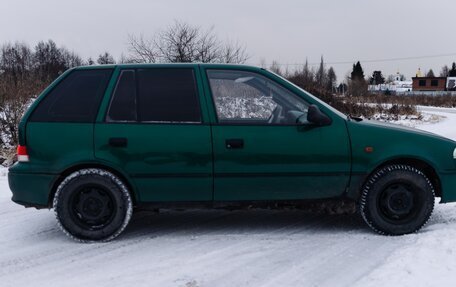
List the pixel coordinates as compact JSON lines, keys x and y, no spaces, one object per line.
{"x":395,"y":87}
{"x":451,"y":83}
{"x":429,"y":83}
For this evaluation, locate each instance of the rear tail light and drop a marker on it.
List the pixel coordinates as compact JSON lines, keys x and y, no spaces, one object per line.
{"x":22,"y":155}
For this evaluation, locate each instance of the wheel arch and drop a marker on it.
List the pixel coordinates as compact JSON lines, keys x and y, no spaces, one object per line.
{"x":420,"y":164}
{"x":125,"y":179}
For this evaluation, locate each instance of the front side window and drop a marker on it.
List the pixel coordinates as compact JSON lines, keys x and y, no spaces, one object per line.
{"x":75,"y":99}
{"x":246,"y":97}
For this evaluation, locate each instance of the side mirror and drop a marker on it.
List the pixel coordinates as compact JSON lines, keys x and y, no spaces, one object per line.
{"x":316,"y":117}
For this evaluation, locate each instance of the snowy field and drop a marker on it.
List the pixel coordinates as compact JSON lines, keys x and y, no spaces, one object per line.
{"x":239,"y":248}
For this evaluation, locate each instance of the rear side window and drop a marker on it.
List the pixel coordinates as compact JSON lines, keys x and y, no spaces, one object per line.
{"x":75,"y":99}
{"x":167,"y":95}
{"x":123,"y":105}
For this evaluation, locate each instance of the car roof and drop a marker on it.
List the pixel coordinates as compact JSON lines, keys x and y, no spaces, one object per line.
{"x":167,"y":65}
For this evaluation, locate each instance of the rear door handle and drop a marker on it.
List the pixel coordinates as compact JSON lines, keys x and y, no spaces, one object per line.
{"x":118,"y":142}
{"x":234,"y":143}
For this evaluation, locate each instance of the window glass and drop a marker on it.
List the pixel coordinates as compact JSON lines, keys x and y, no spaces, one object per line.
{"x":422,"y":83}
{"x":167,"y":95}
{"x":123,"y":103}
{"x":247,"y":97}
{"x":75,"y":99}
{"x":434,"y":83}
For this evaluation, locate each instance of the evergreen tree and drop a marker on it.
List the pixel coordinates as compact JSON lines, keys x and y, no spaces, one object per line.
{"x":452,"y":72}
{"x":377,"y":78}
{"x":321,"y":74}
{"x":105,"y":59}
{"x":357,"y":84}
{"x":332,"y":79}
{"x":357,"y":74}
{"x":444,"y":71}
{"x":307,"y":74}
{"x":430,"y":74}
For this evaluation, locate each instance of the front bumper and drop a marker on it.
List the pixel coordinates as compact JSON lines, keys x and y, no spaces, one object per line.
{"x":448,"y":185}
{"x":31,"y":189}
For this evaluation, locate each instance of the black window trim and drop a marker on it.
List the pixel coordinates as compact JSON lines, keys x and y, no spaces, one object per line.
{"x":238,"y":122}
{"x":138,"y":119}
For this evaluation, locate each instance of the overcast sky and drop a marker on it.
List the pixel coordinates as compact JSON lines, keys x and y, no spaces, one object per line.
{"x":287,"y":31}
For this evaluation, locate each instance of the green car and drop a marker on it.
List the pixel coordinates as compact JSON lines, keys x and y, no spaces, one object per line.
{"x":102,"y":140}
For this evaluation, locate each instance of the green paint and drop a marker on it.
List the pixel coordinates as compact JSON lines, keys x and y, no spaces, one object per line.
{"x":190,"y":162}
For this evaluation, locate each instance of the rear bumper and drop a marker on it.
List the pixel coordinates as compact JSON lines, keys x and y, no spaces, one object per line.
{"x":448,"y":183}
{"x":31,"y":189}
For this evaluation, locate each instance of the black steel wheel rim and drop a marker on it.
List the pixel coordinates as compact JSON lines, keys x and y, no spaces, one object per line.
{"x":398,"y":203}
{"x":92,"y":207}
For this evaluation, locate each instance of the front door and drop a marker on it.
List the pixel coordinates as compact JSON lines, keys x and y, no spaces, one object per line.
{"x":261,"y":153}
{"x":154,"y":131}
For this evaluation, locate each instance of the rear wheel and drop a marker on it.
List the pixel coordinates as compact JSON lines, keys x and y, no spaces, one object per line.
{"x":397,"y":199}
{"x":92,"y":205}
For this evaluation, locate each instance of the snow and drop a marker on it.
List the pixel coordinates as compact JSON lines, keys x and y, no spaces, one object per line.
{"x":446,"y":127}
{"x":237,"y":248}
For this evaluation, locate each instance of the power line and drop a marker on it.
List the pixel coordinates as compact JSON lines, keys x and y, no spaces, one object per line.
{"x":371,"y":61}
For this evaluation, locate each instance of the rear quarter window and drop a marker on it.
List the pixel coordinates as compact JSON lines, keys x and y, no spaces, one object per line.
{"x":75,"y":99}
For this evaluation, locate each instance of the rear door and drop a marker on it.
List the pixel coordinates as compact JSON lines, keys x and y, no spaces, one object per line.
{"x":154,"y":130}
{"x":260,"y":152}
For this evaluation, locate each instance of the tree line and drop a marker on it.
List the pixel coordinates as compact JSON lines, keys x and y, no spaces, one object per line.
{"x":26,"y":71}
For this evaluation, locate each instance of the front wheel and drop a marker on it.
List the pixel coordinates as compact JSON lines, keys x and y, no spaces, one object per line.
{"x":397,"y":199}
{"x":92,"y":205}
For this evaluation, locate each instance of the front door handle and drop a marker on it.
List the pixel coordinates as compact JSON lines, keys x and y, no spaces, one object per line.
{"x":118,"y":142}
{"x":234,"y":143}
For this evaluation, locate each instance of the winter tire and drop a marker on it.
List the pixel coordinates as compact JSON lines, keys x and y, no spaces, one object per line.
{"x":92,"y":205}
{"x":397,"y":199}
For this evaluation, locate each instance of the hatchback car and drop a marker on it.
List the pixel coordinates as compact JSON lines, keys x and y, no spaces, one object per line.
{"x":101,"y":140}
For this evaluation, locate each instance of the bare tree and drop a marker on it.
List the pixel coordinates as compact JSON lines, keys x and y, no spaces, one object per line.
{"x":48,"y":61}
{"x":18,"y":83}
{"x":233,"y":52}
{"x":141,"y":50}
{"x":71,"y":59}
{"x":23,"y":74}
{"x":15,"y":61}
{"x":182,"y":42}
{"x":14,"y":100}
{"x":275,"y":67}
{"x":179,"y":43}
{"x":208,"y":47}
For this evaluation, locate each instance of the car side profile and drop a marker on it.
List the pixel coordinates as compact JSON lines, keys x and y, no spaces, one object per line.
{"x":101,"y":140}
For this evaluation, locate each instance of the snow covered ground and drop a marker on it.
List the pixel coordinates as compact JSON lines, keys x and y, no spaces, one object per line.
{"x":238,"y":248}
